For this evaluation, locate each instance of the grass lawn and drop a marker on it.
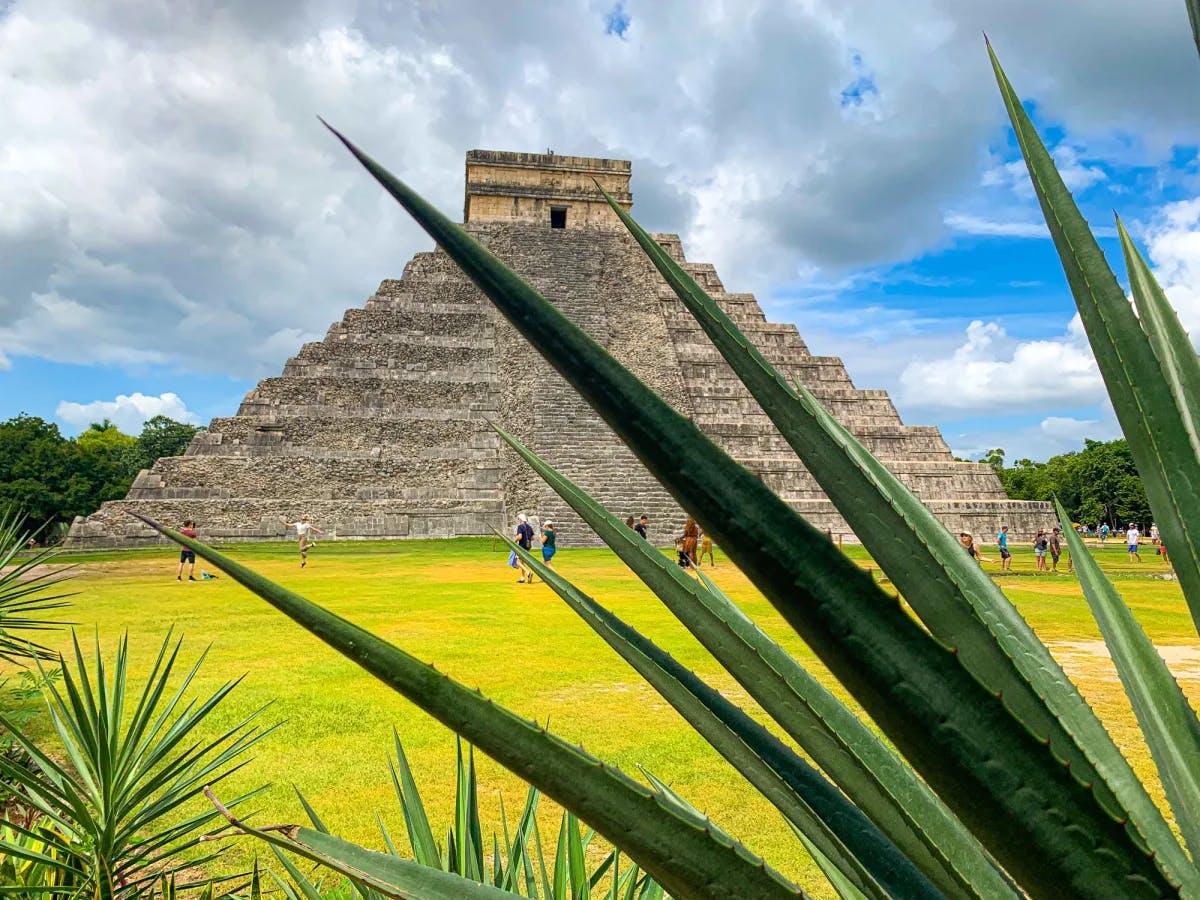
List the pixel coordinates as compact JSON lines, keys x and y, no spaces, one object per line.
{"x":455,"y":603}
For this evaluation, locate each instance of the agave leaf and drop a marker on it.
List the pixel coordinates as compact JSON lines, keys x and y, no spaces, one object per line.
{"x":1167,"y":720}
{"x":1193,"y":8}
{"x":420,"y":835}
{"x":963,"y":608}
{"x":1180,"y":369}
{"x":299,"y":879}
{"x":870,"y":773}
{"x":391,"y":876}
{"x":1161,"y":432}
{"x":798,"y":791}
{"x":844,"y":888}
{"x":685,"y":859}
{"x":1051,"y":835}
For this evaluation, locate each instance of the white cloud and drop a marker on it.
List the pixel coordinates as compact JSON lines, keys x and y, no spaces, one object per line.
{"x":993,"y":373}
{"x":1049,"y":437}
{"x":1173,"y":247}
{"x":170,"y":197}
{"x":128,"y":412}
{"x":967,"y":224}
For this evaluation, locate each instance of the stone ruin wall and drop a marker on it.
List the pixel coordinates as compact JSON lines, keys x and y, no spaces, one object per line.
{"x":381,"y":429}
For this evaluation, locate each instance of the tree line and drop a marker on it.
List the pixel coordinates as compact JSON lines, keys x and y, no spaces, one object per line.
{"x":52,"y":478}
{"x":1096,"y":484}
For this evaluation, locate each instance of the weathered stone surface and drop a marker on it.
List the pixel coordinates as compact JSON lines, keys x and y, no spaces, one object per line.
{"x":380,"y":430}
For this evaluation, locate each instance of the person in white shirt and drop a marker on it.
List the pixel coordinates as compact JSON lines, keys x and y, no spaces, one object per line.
{"x":1132,"y":536}
{"x":303,"y":528}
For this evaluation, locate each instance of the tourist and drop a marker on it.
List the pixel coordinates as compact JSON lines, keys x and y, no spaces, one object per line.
{"x":968,"y":541}
{"x":1103,"y":533}
{"x":641,"y":526}
{"x":187,"y":554}
{"x":525,"y":541}
{"x":548,"y":542}
{"x":303,"y":528}
{"x":681,"y":557}
{"x":691,"y":539}
{"x":1132,"y":536}
{"x":629,"y":523}
{"x":1055,"y":547}
{"x":706,"y":549}
{"x":1162,"y":549}
{"x":1005,"y":554}
{"x":1154,"y":534}
{"x":1040,"y":543}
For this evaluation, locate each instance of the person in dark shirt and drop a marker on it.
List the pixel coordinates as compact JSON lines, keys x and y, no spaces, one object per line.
{"x":525,"y":539}
{"x":187,"y":555}
{"x":640,"y":527}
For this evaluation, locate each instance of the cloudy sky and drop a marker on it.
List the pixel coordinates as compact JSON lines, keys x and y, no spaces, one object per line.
{"x":174,"y":222}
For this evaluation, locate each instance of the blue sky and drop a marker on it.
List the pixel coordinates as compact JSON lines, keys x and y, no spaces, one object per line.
{"x":176,"y":223}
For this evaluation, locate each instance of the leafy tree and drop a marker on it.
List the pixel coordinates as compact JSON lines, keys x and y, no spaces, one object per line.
{"x":35,"y":468}
{"x":162,"y":436}
{"x":1097,"y":484}
{"x":53,"y":478}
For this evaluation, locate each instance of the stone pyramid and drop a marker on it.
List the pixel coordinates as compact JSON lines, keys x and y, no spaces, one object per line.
{"x":380,"y":430}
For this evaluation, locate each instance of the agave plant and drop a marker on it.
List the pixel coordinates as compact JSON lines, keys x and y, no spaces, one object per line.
{"x":113,"y":797}
{"x":25,"y":583}
{"x":520,"y":866}
{"x":1002,"y":782}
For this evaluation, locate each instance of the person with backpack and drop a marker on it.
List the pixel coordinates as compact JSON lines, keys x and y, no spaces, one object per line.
{"x":1005,"y":554}
{"x":1040,"y":543}
{"x":525,"y":541}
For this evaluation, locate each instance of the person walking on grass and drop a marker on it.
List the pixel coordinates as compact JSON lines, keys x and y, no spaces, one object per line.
{"x":1103,"y":533}
{"x":187,"y":554}
{"x":706,"y":549}
{"x":1132,"y":537}
{"x":304,"y":527}
{"x":1040,"y":543}
{"x":1005,"y":554}
{"x":548,"y":542}
{"x":1054,"y":545}
{"x":525,"y":540}
{"x":691,"y":539}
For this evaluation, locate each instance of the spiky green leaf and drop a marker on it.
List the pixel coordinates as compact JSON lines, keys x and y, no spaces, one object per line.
{"x":798,"y":791}
{"x":1051,"y":834}
{"x":1167,"y":720}
{"x":685,"y":859}
{"x":870,"y":773}
{"x":1157,"y":423}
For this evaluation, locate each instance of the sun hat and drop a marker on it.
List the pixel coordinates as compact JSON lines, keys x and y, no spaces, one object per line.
{"x":547,"y":522}
{"x":521,"y":517}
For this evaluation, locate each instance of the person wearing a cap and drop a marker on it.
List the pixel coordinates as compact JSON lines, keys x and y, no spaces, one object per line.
{"x":548,"y":547}
{"x":525,"y":539}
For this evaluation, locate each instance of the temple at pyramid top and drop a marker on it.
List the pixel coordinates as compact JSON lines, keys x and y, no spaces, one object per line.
{"x":381,"y":429}
{"x":559,"y":191}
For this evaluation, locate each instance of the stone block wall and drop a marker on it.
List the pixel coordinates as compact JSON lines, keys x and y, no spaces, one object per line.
{"x":381,"y":429}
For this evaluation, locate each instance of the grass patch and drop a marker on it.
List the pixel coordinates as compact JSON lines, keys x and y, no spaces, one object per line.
{"x":455,"y":603}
